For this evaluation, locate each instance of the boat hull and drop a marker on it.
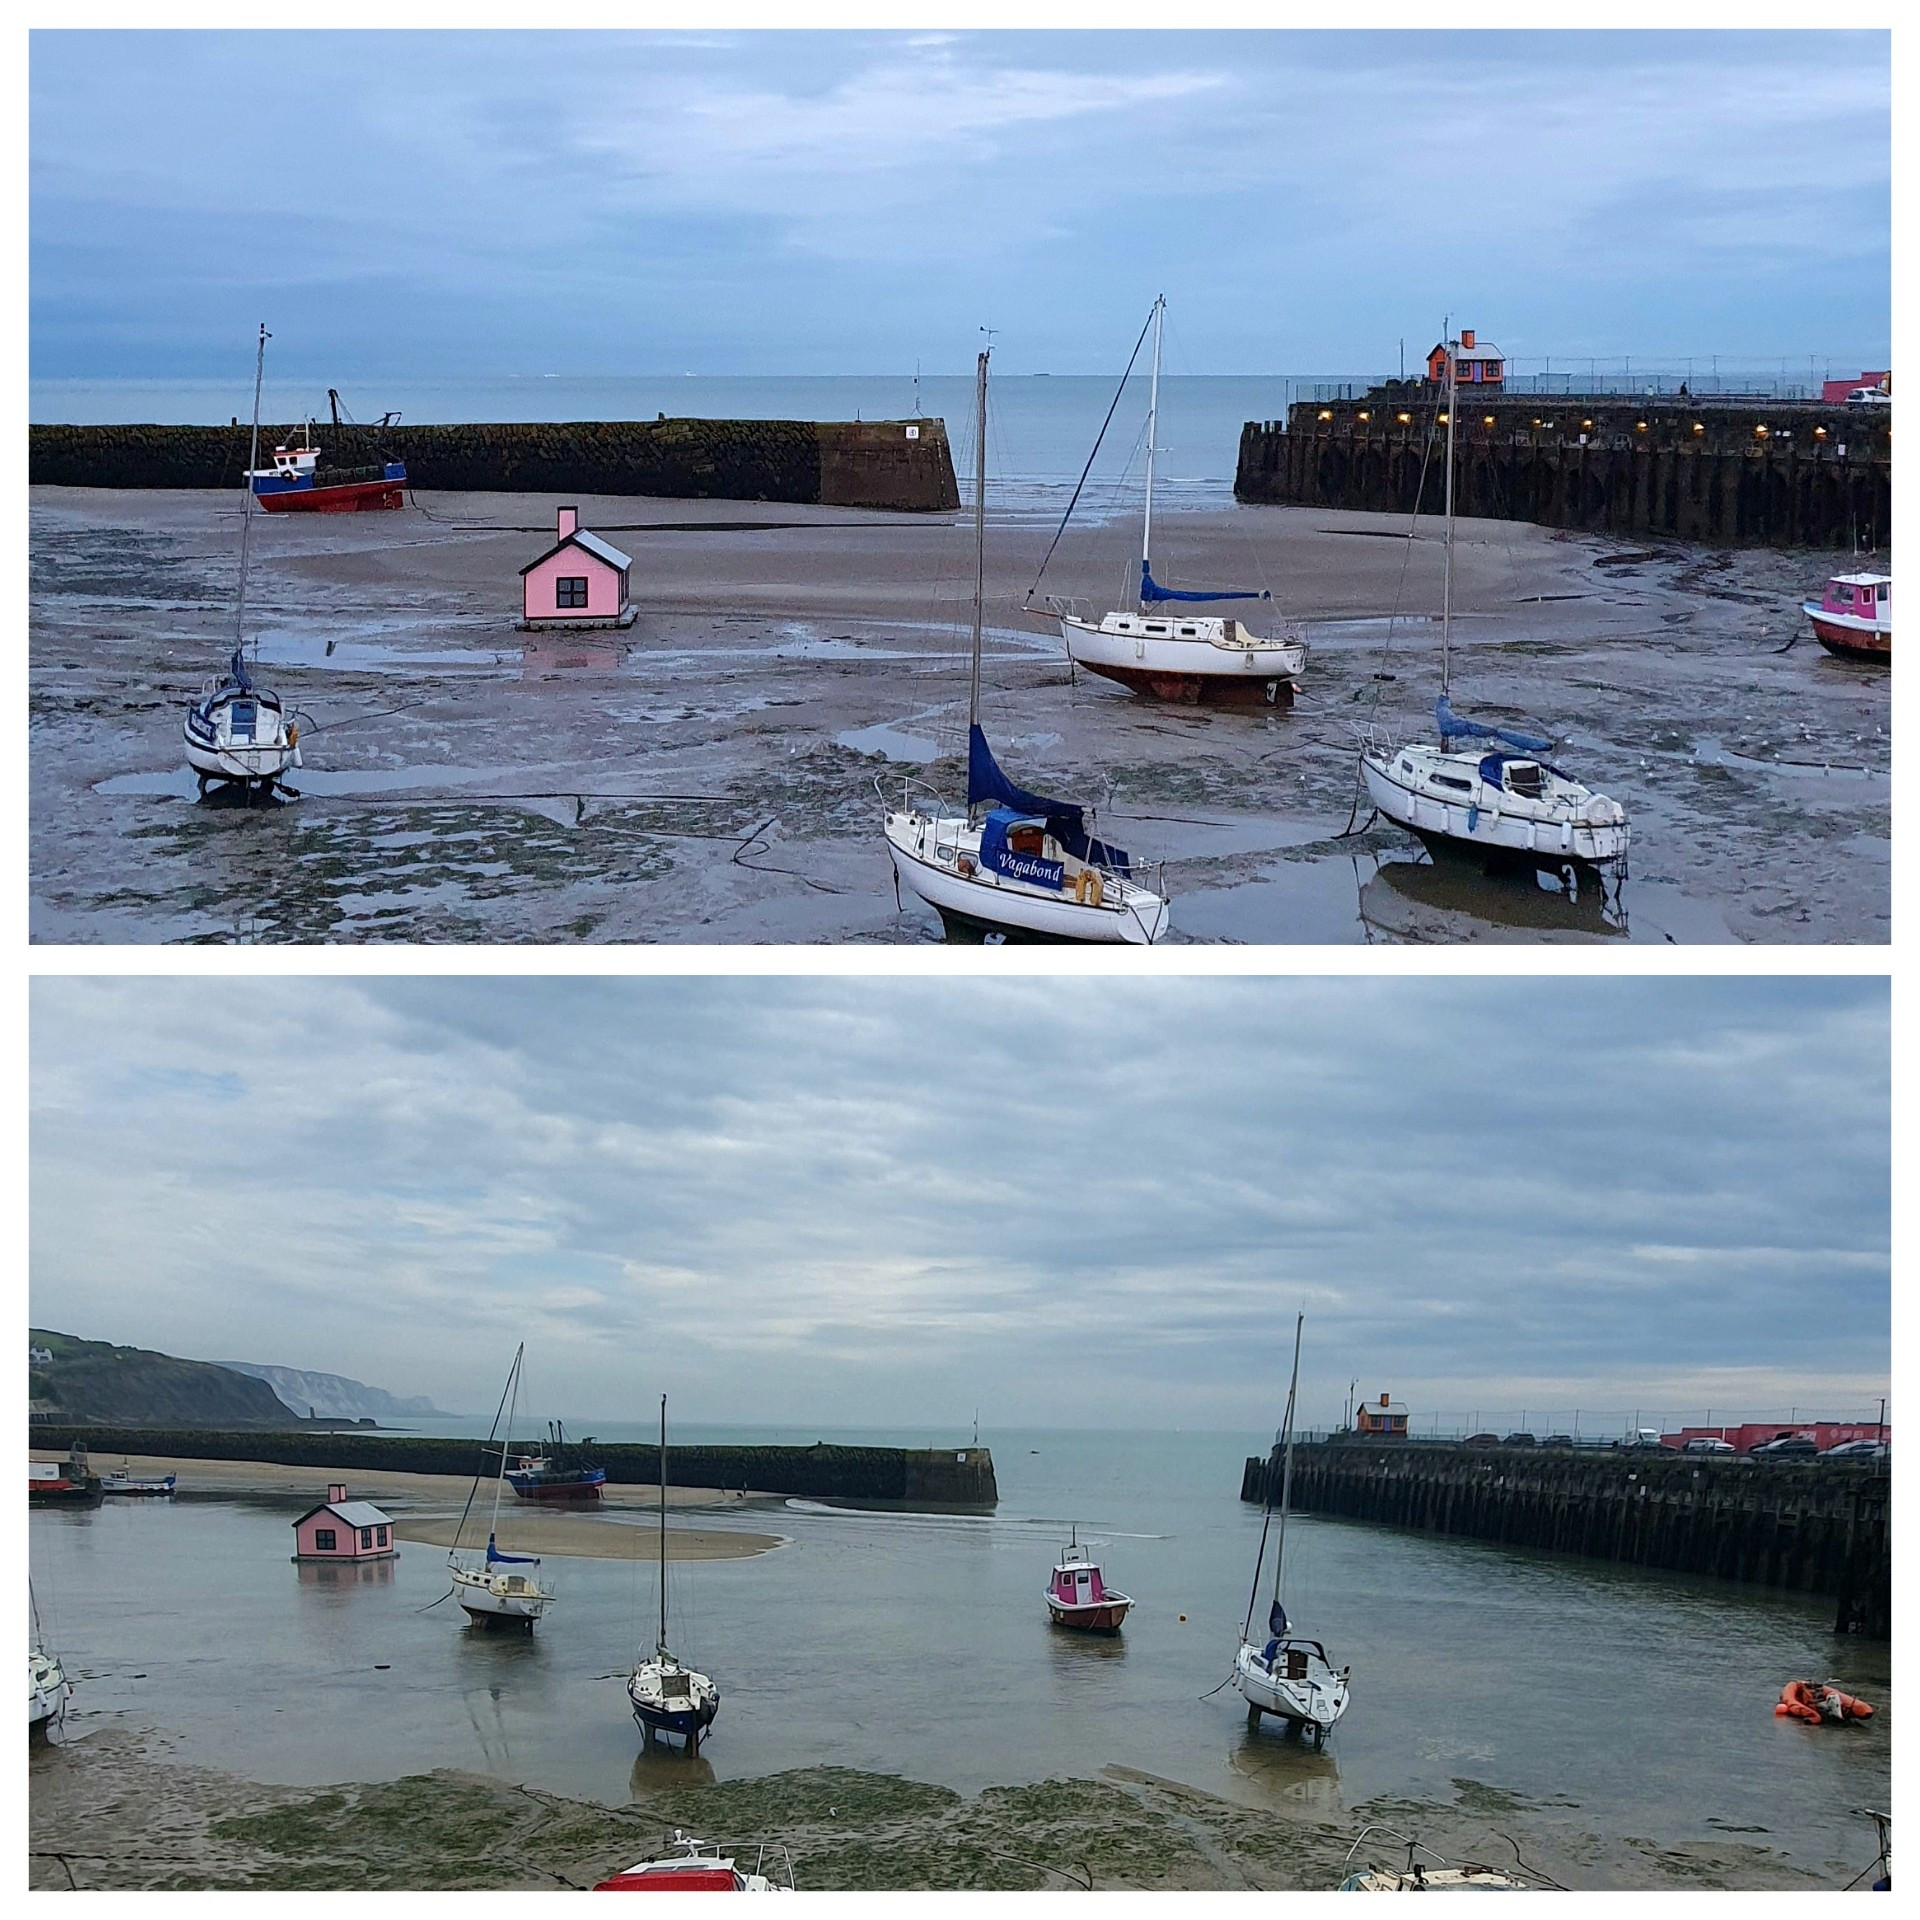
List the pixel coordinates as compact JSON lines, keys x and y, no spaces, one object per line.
{"x":63,"y":1493}
{"x":48,"y":1690}
{"x":1850,"y":639}
{"x":1312,"y":1699}
{"x":487,"y":1608}
{"x":1187,"y":672}
{"x":586,"y":1487}
{"x":1492,"y":833}
{"x":1102,"y":1616}
{"x":983,"y":904}
{"x":356,"y":496}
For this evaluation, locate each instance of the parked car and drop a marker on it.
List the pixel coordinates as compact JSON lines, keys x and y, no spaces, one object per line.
{"x":1642,"y":1440}
{"x":1481,"y":1440}
{"x":1869,"y":397}
{"x":1558,"y":1440}
{"x":1705,"y":1443}
{"x":1789,"y":1446}
{"x":1857,"y":1450}
{"x":1519,"y":1440}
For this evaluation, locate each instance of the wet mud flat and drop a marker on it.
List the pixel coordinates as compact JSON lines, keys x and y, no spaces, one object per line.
{"x":111,"y":1810}
{"x":710,"y":774}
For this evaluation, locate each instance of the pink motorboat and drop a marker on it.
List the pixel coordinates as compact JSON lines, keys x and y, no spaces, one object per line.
{"x":1855,"y":620}
{"x":1079,"y":1597}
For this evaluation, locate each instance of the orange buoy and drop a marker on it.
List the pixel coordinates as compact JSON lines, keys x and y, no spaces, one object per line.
{"x":1817,"y":1700}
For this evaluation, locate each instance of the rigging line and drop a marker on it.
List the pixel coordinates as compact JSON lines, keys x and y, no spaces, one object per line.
{"x":1406,"y":557}
{"x":1088,"y":468}
{"x":386,"y":713}
{"x":491,"y":1432}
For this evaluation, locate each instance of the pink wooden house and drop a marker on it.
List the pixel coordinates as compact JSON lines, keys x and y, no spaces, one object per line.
{"x":579,"y":582}
{"x":343,"y":1530}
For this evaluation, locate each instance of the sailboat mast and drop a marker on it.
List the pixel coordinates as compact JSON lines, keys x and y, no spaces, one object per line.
{"x":662,"y":1646}
{"x":1286,"y":1476}
{"x":246,"y":509}
{"x":1446,"y":590}
{"x":979,"y":539}
{"x":1153,"y":418}
{"x":506,"y":1440}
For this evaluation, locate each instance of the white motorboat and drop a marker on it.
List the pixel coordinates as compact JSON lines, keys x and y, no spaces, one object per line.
{"x":500,"y":1589}
{"x":1013,"y":865}
{"x":698,"y":1866}
{"x":238,"y":733}
{"x":1488,"y":791}
{"x":1286,"y":1675}
{"x":667,"y":1695}
{"x":1176,"y":655}
{"x":124,"y":1481}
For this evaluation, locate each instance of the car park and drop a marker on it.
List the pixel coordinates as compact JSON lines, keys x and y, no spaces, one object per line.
{"x":1705,"y":1443}
{"x":1519,"y":1440}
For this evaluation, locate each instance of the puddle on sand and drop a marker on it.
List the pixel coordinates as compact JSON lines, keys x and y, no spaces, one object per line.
{"x":891,"y":742}
{"x":1360,"y":897}
{"x":1709,"y":751}
{"x":352,"y":650}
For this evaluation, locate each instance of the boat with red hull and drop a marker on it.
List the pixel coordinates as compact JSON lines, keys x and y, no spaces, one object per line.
{"x":1855,"y":619}
{"x":296,"y":484}
{"x":552,"y":1475}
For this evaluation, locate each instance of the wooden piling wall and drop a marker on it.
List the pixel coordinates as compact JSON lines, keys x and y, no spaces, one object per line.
{"x":905,"y":465}
{"x":1818,"y":1527}
{"x":1767,"y":474}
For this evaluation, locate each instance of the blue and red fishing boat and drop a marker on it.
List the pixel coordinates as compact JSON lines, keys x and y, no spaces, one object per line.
{"x":296,"y":483}
{"x":549,"y":1476}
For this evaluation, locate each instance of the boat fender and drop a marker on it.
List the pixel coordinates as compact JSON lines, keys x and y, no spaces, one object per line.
{"x":293,"y":733}
{"x":1087,"y":888}
{"x":966,"y":866}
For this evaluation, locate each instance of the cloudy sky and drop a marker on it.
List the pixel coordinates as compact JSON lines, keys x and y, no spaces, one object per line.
{"x":881,"y":1202}
{"x":847,"y":202}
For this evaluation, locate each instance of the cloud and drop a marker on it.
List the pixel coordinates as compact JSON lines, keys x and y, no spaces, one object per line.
{"x":1079,"y":1199}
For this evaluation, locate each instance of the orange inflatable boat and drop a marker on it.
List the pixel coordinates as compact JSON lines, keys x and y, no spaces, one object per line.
{"x":1818,"y":1700}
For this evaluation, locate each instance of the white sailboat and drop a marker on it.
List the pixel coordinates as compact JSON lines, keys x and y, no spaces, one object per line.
{"x":499,"y":1589}
{"x":668,"y":1696}
{"x":238,"y":733}
{"x":48,"y":1688}
{"x":1158,"y":647}
{"x":1502,"y":799}
{"x":1286,"y":1675}
{"x":1016,"y":865}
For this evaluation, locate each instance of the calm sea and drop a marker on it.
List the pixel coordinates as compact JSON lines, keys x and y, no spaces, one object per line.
{"x":1630,"y":1705}
{"x":1041,"y":427}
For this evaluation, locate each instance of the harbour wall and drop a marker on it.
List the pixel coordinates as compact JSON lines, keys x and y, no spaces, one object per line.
{"x":904,"y":465}
{"x":929,"y":1476}
{"x":1765,"y":474}
{"x":1819,"y":1527}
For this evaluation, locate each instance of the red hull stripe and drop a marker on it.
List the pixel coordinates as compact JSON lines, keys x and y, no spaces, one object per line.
{"x":362,"y":496}
{"x":1200,"y":689}
{"x":1867,"y":646}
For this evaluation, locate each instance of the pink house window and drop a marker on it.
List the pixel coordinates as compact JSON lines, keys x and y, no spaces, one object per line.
{"x":382,"y":1532}
{"x":323,"y":1540}
{"x":571,"y":590}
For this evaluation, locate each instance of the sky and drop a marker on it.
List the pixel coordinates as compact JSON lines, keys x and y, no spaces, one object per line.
{"x":863,"y":202}
{"x":1068,"y":1202}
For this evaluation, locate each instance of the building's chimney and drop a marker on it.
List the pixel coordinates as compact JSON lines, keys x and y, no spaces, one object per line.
{"x":569,"y":521}
{"x":1383,"y":1400}
{"x":335,"y":1494}
{"x":1466,"y":336}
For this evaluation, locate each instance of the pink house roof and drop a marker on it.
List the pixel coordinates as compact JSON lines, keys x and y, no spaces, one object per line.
{"x":351,"y":1513}
{"x":590,"y":543}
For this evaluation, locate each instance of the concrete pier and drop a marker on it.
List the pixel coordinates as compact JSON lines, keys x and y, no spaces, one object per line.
{"x":1717,"y":472}
{"x":934,"y":1476}
{"x":1819,"y":1527}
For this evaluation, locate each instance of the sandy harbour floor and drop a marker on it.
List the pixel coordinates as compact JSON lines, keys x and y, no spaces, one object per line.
{"x":709,"y":774}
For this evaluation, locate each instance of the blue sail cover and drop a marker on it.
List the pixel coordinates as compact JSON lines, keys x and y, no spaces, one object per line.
{"x":1452,"y":727}
{"x":1151,"y":590}
{"x":1277,"y":1621}
{"x":997,"y":854}
{"x":988,"y":786}
{"x":512,"y":1559}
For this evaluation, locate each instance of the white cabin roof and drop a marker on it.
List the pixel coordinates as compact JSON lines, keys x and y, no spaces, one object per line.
{"x":1862,"y":580}
{"x":353,"y":1513}
{"x":602,"y":550}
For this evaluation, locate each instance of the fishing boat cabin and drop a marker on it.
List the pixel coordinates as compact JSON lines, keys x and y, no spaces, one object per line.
{"x":1381,"y":1421}
{"x":581,"y":581}
{"x":343,"y":1529}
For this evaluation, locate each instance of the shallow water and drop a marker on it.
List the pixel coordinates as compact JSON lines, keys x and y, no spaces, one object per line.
{"x":1635,"y":1707}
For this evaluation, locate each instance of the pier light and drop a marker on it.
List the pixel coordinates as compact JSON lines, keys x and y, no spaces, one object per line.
{"x":1487,"y":421}
{"x":1586,"y":426}
{"x":1639,"y":426}
{"x":1363,"y":415}
{"x":1446,"y":419}
{"x":1819,"y":433}
{"x":1405,"y":419}
{"x":1760,"y":432}
{"x":1326,"y":413}
{"x":1536,"y":419}
{"x":1699,"y":426}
